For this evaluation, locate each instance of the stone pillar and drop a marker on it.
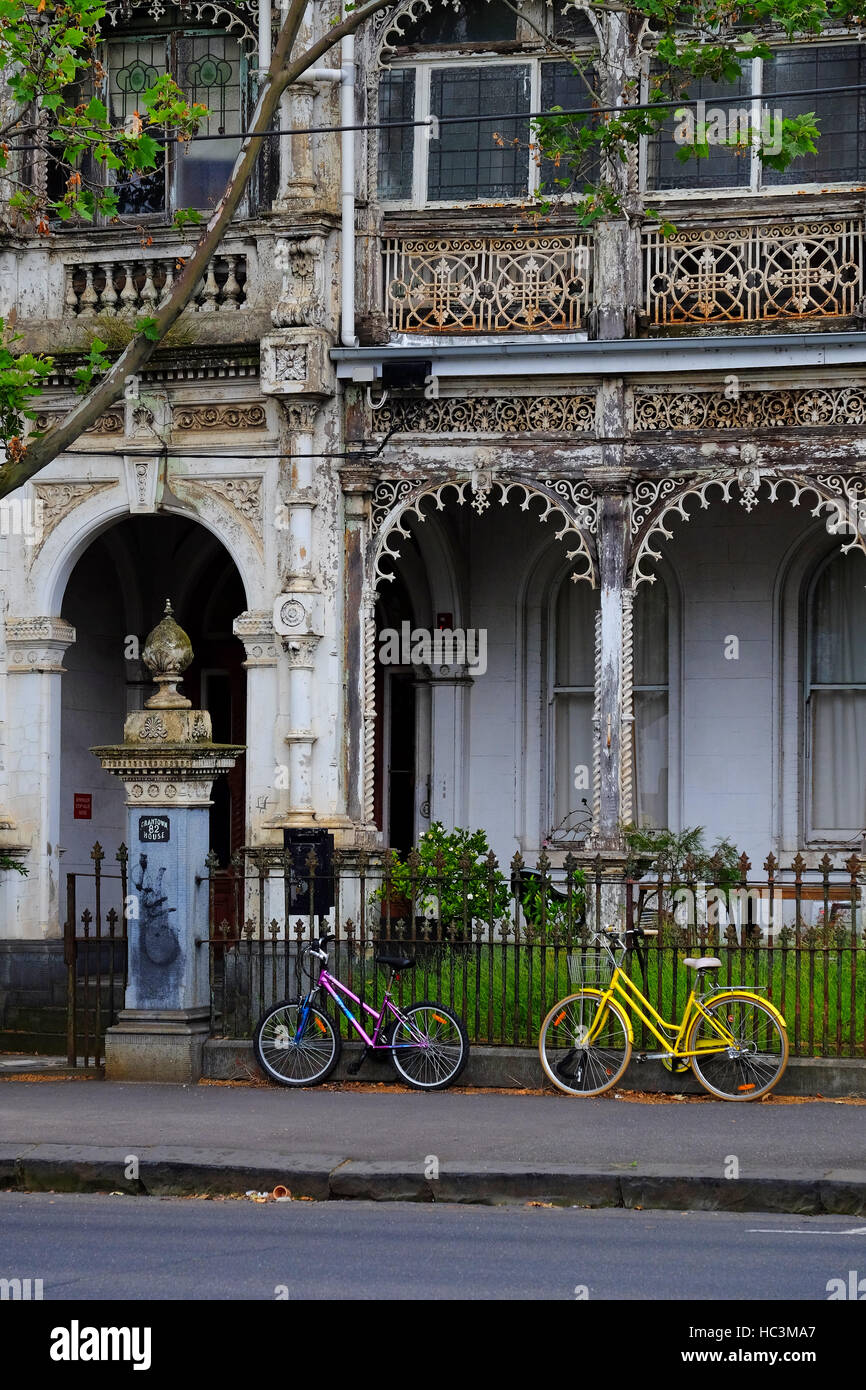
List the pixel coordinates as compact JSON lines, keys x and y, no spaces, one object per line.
{"x":168,"y":762}
{"x":35,"y":649}
{"x":256,"y":631}
{"x":359,"y":649}
{"x":612,"y":545}
{"x":612,"y":706}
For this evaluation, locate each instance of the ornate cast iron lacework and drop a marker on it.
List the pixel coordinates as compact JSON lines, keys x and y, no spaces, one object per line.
{"x":571,"y":503}
{"x":527,"y":284}
{"x":667,"y":410}
{"x":841,"y":500}
{"x":737,"y":274}
{"x":486,"y":415}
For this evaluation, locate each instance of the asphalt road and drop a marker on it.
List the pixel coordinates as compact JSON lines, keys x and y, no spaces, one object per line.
{"x":136,"y":1248}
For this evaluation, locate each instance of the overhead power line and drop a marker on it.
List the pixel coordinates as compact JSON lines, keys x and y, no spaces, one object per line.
{"x":743,"y":98}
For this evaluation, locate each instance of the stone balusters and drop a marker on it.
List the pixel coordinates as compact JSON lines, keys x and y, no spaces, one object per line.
{"x":131,"y":288}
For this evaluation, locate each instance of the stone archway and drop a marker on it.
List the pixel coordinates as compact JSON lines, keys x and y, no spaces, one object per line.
{"x":114,"y":596}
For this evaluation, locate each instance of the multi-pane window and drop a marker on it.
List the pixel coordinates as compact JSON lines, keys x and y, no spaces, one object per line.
{"x":211,"y":69}
{"x":650,"y":760}
{"x":208,"y":68}
{"x":835,"y":690}
{"x":464,"y":155}
{"x":573,"y":698}
{"x":840,"y":116}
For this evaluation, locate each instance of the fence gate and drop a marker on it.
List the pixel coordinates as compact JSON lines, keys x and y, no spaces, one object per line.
{"x":95,"y":954}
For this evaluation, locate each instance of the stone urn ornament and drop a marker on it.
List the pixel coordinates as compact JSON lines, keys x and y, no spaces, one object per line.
{"x":167,"y":654}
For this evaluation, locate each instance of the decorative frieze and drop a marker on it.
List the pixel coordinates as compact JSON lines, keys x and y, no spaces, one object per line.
{"x":749,"y":410}
{"x":571,"y":503}
{"x":573,"y":414}
{"x":110,"y":422}
{"x":656,"y":503}
{"x":220,"y":417}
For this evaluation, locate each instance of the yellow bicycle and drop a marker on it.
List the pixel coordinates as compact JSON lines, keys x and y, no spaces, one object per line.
{"x":735,"y":1042}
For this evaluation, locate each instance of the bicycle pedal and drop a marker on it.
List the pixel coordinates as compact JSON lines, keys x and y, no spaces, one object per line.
{"x":353,"y":1068}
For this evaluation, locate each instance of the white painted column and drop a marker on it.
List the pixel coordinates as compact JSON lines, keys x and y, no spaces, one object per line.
{"x":263,"y":799}
{"x":35,"y":648}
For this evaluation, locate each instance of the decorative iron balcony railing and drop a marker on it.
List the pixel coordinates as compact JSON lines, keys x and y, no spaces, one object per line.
{"x":487,"y":284}
{"x":754,"y":273}
{"x":131,"y":286}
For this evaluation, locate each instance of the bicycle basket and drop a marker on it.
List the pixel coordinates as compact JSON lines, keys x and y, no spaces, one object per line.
{"x":590,"y":968}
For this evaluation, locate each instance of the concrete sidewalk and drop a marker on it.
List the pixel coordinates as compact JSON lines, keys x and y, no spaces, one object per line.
{"x":83,"y":1136}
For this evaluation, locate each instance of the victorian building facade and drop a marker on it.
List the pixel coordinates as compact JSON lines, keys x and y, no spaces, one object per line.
{"x":634,"y":461}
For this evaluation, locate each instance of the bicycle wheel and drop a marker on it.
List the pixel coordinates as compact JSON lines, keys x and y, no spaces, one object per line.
{"x":430,"y":1046}
{"x":303,"y":1061}
{"x":572,"y":1065}
{"x":752,"y":1067}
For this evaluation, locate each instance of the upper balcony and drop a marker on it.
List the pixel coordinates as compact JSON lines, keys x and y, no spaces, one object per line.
{"x":718,"y":278}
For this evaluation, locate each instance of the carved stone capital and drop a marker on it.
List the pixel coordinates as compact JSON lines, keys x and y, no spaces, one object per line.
{"x":37,"y":644}
{"x":301,"y":652}
{"x":256,"y":630}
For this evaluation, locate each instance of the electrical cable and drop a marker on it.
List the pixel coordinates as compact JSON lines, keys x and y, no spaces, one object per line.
{"x":743,"y":97}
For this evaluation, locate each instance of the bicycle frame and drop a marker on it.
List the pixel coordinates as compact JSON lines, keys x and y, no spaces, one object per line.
{"x":623,"y":990}
{"x":331,"y":985}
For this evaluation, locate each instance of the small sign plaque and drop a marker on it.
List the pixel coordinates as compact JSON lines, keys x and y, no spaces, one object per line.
{"x":82,"y":806}
{"x":154,"y":830}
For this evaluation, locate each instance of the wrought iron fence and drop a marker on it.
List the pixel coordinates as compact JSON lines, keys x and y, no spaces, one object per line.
{"x":95,"y":954}
{"x":497,"y":948}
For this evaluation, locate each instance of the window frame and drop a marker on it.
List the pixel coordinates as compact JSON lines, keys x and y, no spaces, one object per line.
{"x":528,"y":52}
{"x":754,"y":186}
{"x":104,"y":177}
{"x":819,"y":836}
{"x":554,"y":694}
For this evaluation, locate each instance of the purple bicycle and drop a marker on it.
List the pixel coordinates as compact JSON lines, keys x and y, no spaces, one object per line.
{"x":297,"y":1044}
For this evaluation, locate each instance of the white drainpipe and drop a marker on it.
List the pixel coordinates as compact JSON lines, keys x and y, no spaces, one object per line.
{"x":347,"y":192}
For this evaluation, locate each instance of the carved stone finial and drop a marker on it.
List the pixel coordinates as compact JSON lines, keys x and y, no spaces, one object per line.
{"x":167,"y":653}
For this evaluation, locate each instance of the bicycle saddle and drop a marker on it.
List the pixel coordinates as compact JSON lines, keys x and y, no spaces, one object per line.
{"x":702,"y":962}
{"x":398,"y":962}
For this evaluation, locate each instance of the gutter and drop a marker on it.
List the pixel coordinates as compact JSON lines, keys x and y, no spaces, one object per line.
{"x":622,"y":357}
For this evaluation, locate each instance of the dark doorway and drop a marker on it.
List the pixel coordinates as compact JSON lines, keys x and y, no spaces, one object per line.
{"x":115,"y":596}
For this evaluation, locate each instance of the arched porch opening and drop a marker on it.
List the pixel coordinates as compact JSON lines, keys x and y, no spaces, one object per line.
{"x":114,"y":596}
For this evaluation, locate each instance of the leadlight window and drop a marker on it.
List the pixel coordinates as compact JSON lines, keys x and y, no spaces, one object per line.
{"x":835,"y":694}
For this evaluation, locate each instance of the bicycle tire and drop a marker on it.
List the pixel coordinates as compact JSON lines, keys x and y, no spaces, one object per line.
{"x":748,"y":1079}
{"x":605,"y":1063}
{"x":289,"y":1064}
{"x":436,"y":1067}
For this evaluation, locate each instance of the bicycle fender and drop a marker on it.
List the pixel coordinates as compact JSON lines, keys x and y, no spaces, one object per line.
{"x":599,"y":994}
{"x":748,"y":994}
